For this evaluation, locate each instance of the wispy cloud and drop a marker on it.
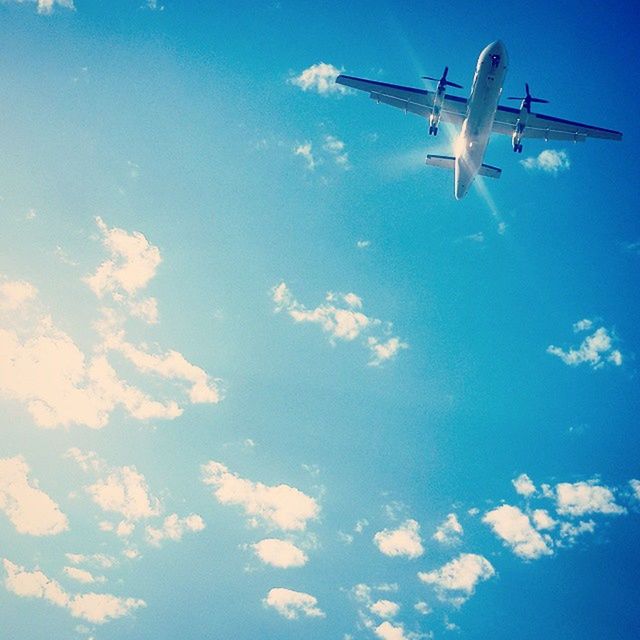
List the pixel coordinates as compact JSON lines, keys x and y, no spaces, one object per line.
{"x":341,"y":317}
{"x":450,"y":531}
{"x":319,"y":78}
{"x":173,"y":528}
{"x":97,"y":608}
{"x":456,"y":581}
{"x":45,"y":7}
{"x":305,"y":151}
{"x":281,"y":506}
{"x":549,"y":161}
{"x":595,"y":350}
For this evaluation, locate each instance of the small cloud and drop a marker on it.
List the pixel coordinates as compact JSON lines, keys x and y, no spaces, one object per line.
{"x":542,"y":520}
{"x":173,"y":528}
{"x":82,"y":575}
{"x":403,"y":541}
{"x":305,"y":151}
{"x":549,"y":161}
{"x":456,"y":581}
{"x":31,"y":214}
{"x":384,"y":608}
{"x":45,"y":7}
{"x":579,"y":498}
{"x":515,"y":529}
{"x":336,"y":148}
{"x":524,"y":485}
{"x":320,"y":78}
{"x":450,"y":531}
{"x":15,"y":293}
{"x":582,"y":325}
{"x":282,"y":506}
{"x":569,"y":531}
{"x":635,"y":485}
{"x":341,"y":317}
{"x":595,"y":350}
{"x":280,"y":553}
{"x":363,"y":244}
{"x":292,"y":604}
{"x":423,"y":608}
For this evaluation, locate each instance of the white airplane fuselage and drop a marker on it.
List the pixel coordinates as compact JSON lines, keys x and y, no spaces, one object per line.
{"x":476,"y":129}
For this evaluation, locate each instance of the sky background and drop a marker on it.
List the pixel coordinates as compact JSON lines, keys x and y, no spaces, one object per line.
{"x":189,"y":228}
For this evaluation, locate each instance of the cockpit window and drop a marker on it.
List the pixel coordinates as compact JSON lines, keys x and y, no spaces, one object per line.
{"x":495,"y":60}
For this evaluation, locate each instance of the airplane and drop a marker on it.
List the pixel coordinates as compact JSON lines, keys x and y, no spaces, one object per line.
{"x":479,"y":116}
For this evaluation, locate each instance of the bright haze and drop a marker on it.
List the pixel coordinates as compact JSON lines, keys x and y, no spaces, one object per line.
{"x":262,"y":376}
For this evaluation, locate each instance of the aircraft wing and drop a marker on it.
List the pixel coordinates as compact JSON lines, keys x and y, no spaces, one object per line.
{"x":409,"y":99}
{"x":549,"y":128}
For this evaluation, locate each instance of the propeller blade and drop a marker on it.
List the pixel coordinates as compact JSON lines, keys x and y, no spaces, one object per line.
{"x":514,"y":98}
{"x":430,"y":78}
{"x":453,"y":84}
{"x":539,"y":100}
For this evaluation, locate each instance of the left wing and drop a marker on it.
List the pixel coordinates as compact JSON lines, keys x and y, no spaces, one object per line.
{"x":549,"y":128}
{"x":409,"y":99}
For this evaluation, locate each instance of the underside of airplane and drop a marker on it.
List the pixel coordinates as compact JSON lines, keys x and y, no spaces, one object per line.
{"x":478,"y":116}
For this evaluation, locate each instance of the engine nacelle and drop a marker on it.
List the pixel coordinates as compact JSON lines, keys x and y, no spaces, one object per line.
{"x":517,"y":137}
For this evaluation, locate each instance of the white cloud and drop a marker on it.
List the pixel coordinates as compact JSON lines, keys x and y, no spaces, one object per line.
{"x":549,"y":161}
{"x":456,"y":581}
{"x":101,"y":607}
{"x":133,"y":262}
{"x":44,"y":368}
{"x":97,"y":559}
{"x":542,"y":520}
{"x":173,"y":528}
{"x":403,"y":541}
{"x":524,"y":485}
{"x":340,"y":317}
{"x":82,"y":575}
{"x":388,"y":631}
{"x":170,"y":366}
{"x":384,"y":608}
{"x":423,"y":608}
{"x":569,"y":532}
{"x":363,"y":244}
{"x":292,"y":604}
{"x":282,"y":506}
{"x":45,"y":7}
{"x":14,"y":293}
{"x":449,"y":531}
{"x":305,"y":150}
{"x":336,"y":148}
{"x":582,"y":325}
{"x":578,"y":498}
{"x":320,"y":78}
{"x":635,"y":485}
{"x":514,"y":527}
{"x":125,"y":491}
{"x":280,"y":553}
{"x":383,"y":351}
{"x":29,"y":509}
{"x":596,"y":350}
{"x":93,"y":607}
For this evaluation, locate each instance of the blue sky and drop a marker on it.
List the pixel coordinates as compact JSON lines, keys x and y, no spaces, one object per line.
{"x":262,"y":376}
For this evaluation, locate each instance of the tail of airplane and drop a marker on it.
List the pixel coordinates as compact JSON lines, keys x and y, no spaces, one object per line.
{"x":448,"y":162}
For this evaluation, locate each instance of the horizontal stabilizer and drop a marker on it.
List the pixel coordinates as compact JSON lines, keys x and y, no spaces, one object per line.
{"x":444,"y":162}
{"x":488,"y":171}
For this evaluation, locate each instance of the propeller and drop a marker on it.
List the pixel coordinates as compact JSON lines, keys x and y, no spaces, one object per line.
{"x":528,"y":99}
{"x":443,"y":82}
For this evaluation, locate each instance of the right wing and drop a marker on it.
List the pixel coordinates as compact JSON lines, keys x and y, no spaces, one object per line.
{"x":409,"y":99}
{"x":549,"y":128}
